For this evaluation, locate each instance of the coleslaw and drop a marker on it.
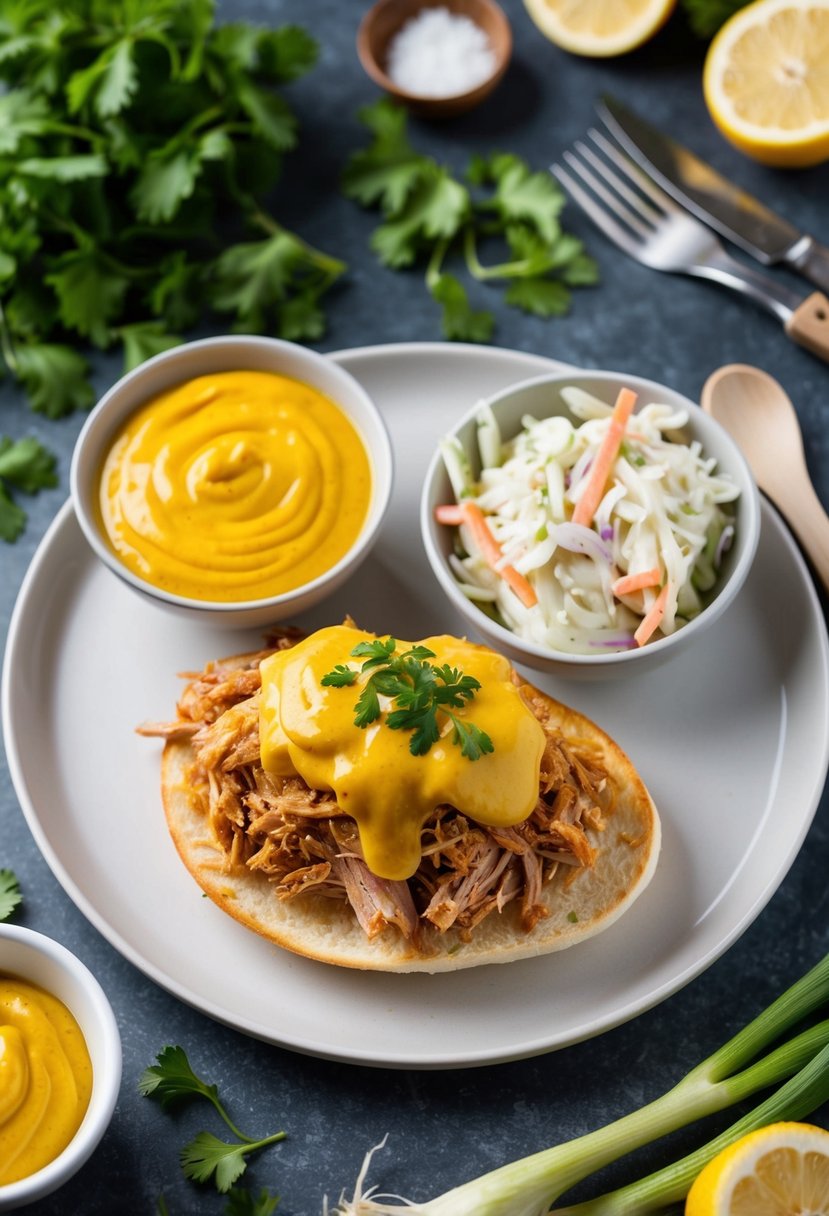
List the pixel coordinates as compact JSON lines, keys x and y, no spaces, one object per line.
{"x":599,"y":533}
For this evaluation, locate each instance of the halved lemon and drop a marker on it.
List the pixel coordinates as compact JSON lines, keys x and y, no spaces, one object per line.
{"x":599,"y":28}
{"x":766,"y":81}
{"x":779,"y":1170}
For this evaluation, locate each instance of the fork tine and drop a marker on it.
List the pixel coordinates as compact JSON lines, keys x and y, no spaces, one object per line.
{"x":636,"y":175}
{"x":636,"y":201}
{"x":607,"y":196}
{"x":601,"y":218}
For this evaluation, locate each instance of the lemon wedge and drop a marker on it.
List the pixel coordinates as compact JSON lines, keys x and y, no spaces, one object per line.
{"x":766,"y":81}
{"x":599,"y":28}
{"x":779,"y":1170}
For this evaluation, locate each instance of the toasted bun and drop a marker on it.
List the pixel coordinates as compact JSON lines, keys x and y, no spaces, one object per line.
{"x":581,"y":902}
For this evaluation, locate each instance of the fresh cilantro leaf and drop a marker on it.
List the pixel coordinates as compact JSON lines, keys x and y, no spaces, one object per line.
{"x":460,"y":322}
{"x":418,"y":690}
{"x":166,"y":179}
{"x":143,"y":340}
{"x":172,"y":1080}
{"x":240,"y":1202}
{"x":22,"y":114}
{"x":521,"y":194}
{"x":10,"y":894}
{"x":206,"y":1156}
{"x":367,"y":707}
{"x":62,"y":168}
{"x":12,"y":517}
{"x":55,"y":378}
{"x":435,"y":209}
{"x":580,"y":271}
{"x":109,"y":82}
{"x":340,"y":677}
{"x":300,"y":318}
{"x":90,"y":293}
{"x":286,"y":53}
{"x":386,"y":173}
{"x":271,"y":116}
{"x":27,"y":464}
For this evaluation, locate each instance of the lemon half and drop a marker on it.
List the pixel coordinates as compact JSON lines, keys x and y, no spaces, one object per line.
{"x":779,"y":1170}
{"x":599,"y":28}
{"x":766,"y":81}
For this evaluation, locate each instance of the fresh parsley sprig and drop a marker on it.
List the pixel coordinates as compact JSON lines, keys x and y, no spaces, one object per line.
{"x":430,"y":214}
{"x":171,"y":1080}
{"x":10,"y":893}
{"x":420,"y":691}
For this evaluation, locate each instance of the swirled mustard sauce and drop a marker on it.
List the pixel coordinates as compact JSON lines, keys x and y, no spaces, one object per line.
{"x":45,"y":1078}
{"x":235,"y":486}
{"x":308,"y":729}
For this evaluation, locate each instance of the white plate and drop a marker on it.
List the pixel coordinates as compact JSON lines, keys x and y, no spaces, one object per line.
{"x":732,"y":740}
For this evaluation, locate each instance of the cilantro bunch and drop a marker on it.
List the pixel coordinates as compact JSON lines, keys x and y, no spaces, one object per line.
{"x":429,"y":214}
{"x":139,"y":143}
{"x":25,"y":466}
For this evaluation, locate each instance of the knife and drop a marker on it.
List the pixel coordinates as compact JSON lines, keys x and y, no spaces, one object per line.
{"x":704,"y":192}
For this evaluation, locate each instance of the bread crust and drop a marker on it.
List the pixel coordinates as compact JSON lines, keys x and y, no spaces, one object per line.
{"x":580,"y":902}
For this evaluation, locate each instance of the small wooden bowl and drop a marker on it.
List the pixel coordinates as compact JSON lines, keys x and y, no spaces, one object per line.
{"x":382,"y":22}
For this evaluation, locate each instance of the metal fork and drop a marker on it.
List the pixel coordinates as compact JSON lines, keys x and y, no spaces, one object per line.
{"x":648,"y":225}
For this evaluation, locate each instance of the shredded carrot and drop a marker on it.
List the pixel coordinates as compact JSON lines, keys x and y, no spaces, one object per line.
{"x":606,"y":455}
{"x":449,"y":513}
{"x":651,"y":620}
{"x":474,"y":518}
{"x":636,"y":582}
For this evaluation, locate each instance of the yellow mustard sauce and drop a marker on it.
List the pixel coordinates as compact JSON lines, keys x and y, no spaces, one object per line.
{"x":235,"y":486}
{"x":45,"y":1078}
{"x":308,"y":729}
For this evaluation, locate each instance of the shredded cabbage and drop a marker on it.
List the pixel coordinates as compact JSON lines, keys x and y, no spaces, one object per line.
{"x":663,"y":507}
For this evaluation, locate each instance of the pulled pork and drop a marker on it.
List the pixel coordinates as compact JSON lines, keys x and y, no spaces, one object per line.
{"x":301,"y":840}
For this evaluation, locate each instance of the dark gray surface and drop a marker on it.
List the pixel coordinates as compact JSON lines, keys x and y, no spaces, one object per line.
{"x":445,"y":1127}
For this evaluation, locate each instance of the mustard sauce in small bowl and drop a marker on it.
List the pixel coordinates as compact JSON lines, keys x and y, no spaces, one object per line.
{"x":236,"y":479}
{"x":60,"y":1065}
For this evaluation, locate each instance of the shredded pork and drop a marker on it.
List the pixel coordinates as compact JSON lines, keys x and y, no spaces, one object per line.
{"x":301,"y":840}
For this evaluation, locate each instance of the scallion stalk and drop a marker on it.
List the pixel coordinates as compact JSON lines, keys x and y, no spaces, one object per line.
{"x":530,"y":1186}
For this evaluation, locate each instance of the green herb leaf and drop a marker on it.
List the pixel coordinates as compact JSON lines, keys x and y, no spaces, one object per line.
{"x":143,"y":340}
{"x":172,"y":1080}
{"x":90,"y":293}
{"x":418,"y":690}
{"x":206,"y":1156}
{"x":240,"y":1202}
{"x":27,"y":466}
{"x":10,"y":894}
{"x":460,"y":323}
{"x":542,"y":297}
{"x":56,"y":378}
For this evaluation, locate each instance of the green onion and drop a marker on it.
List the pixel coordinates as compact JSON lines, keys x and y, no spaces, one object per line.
{"x":530,"y":1186}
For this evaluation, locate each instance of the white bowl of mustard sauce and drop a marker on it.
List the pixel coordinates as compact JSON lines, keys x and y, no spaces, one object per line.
{"x":58,"y":1036}
{"x":237,"y":479}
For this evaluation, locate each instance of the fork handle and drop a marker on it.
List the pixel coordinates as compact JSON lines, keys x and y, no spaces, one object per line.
{"x":808,"y":325}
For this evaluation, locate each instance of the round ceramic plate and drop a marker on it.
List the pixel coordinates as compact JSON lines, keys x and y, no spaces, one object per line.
{"x":731,"y":739}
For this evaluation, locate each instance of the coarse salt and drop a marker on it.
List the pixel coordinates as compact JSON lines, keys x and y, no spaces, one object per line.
{"x":440,"y":54}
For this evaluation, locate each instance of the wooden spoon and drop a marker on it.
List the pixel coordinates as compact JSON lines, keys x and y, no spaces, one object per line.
{"x":758,"y":414}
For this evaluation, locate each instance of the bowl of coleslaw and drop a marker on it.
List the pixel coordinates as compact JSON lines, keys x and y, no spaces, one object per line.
{"x":582,"y":522}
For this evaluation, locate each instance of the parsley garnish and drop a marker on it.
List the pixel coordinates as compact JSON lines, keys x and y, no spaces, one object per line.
{"x":429,"y":214}
{"x":172,"y":1080}
{"x":419,"y":692}
{"x":138,"y":144}
{"x":10,"y":894}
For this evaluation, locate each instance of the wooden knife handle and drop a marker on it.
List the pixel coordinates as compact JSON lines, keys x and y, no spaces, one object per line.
{"x":809,"y":325}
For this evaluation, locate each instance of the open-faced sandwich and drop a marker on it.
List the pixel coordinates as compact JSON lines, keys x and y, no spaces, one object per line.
{"x":401,"y":807}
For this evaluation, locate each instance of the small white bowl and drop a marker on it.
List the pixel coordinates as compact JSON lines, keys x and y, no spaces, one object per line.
{"x":232,"y":353}
{"x":37,"y":959}
{"x":540,"y":398}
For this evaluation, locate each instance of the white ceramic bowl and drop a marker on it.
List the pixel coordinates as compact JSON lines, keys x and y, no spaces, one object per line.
{"x":37,"y":959}
{"x":540,"y":397}
{"x":232,"y":353}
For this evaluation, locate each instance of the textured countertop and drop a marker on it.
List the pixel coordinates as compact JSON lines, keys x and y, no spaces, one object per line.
{"x":445,"y":1126}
